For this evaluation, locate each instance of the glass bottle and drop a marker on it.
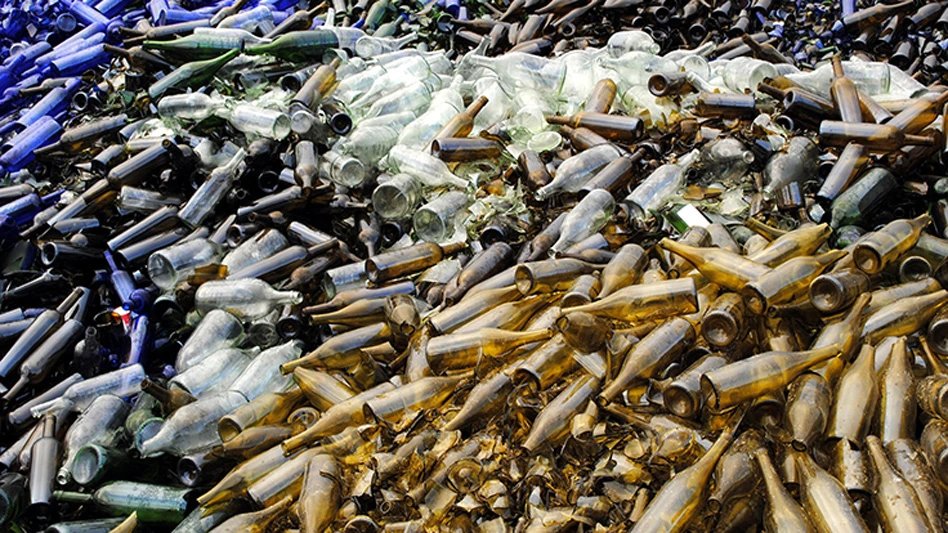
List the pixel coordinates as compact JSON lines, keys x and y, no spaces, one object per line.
{"x":123,"y":383}
{"x":744,"y":74}
{"x":517,"y":69}
{"x":436,"y":221}
{"x":263,"y":374}
{"x":680,"y":499}
{"x":655,"y":191}
{"x":787,"y":280}
{"x":155,"y":504}
{"x":98,"y":424}
{"x":875,"y":250}
{"x":552,"y":424}
{"x":260,"y":246}
{"x":254,"y":120}
{"x":298,"y":46}
{"x":574,"y":172}
{"x":649,"y":356}
{"x":215,"y":373}
{"x":396,"y":197}
{"x":368,"y":144}
{"x":321,"y":493}
{"x":218,"y":330}
{"x":783,"y":514}
{"x":875,"y":137}
{"x":584,"y":220}
{"x":636,"y":67}
{"x":192,"y":427}
{"x":724,"y":268}
{"x":744,"y":380}
{"x":897,"y":404}
{"x":622,"y":42}
{"x":342,"y":169}
{"x":169,"y":266}
{"x":212,"y":191}
{"x":429,"y":170}
{"x":796,"y":164}
{"x":825,"y":499}
{"x":247,"y":298}
{"x":44,"y":458}
{"x":193,"y":74}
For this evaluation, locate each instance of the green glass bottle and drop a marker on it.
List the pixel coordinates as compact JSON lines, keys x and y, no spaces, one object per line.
{"x":298,"y":46}
{"x":193,"y":74}
{"x":155,"y":504}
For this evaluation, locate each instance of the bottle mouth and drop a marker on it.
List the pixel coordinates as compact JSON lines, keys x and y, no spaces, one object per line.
{"x":524,"y":280}
{"x":826,"y":294}
{"x":429,"y":226}
{"x":754,"y":300}
{"x":350,"y":172}
{"x":87,"y":465}
{"x":189,"y":471}
{"x":228,"y":429}
{"x":161,"y":272}
{"x":50,"y":253}
{"x":710,"y":392}
{"x":658,"y":84}
{"x":282,"y":126}
{"x":340,"y":123}
{"x":867,"y":259}
{"x":938,"y":337}
{"x":914,"y":268}
{"x":720,"y":329}
{"x":679,"y":402}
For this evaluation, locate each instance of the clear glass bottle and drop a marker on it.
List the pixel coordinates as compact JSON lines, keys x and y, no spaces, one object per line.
{"x":622,"y":42}
{"x":263,"y":374}
{"x":212,"y":191}
{"x":192,"y":427}
{"x":636,"y":67}
{"x":429,"y":170}
{"x":218,"y":330}
{"x":122,"y":383}
{"x":518,"y":69}
{"x":436,"y":220}
{"x":170,"y":266}
{"x":573,"y":173}
{"x":585,"y":219}
{"x":660,"y":185}
{"x":744,"y":74}
{"x":368,"y":144}
{"x":342,"y":169}
{"x":258,"y":247}
{"x":256,"y":120}
{"x":215,"y":373}
{"x":396,"y":197}
{"x":190,"y":106}
{"x":248,"y":298}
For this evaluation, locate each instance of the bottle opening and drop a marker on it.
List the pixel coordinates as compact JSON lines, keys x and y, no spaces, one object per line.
{"x":87,"y":464}
{"x":161,"y":272}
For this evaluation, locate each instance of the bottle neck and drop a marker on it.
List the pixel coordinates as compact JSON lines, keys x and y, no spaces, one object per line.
{"x":476,"y":106}
{"x":73,"y":497}
{"x":163,"y":395}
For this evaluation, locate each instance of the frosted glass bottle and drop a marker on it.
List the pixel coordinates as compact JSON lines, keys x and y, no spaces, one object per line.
{"x":745,"y":73}
{"x":660,"y":185}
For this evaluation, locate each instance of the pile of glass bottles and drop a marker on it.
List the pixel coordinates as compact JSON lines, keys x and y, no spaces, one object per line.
{"x":498,"y":266}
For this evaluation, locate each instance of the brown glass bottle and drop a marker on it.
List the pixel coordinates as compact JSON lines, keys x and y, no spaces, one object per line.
{"x":875,"y":137}
{"x":410,"y":260}
{"x":460,"y":125}
{"x":613,"y":127}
